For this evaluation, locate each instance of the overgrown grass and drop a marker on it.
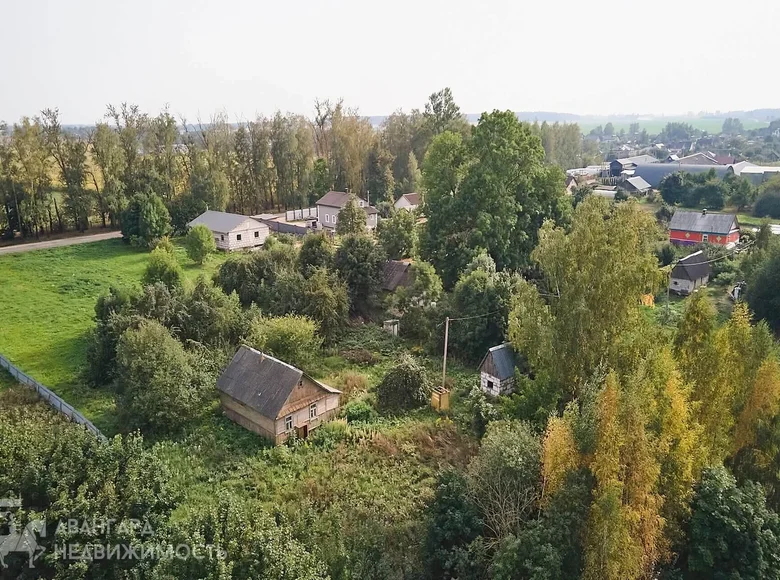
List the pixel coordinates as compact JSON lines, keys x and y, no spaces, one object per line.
{"x":47,"y":301}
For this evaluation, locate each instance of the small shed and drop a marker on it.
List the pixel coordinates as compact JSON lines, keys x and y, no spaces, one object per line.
{"x":272,"y":398}
{"x":636,"y":185}
{"x":395,"y":274}
{"x":497,"y":370}
{"x":690,"y":274}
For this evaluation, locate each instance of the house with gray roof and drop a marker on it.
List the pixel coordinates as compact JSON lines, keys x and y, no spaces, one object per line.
{"x":232,"y":231}
{"x":693,"y":227}
{"x":497,"y":370}
{"x":636,"y":185}
{"x":330,"y":205}
{"x":690,"y":273}
{"x":618,"y":166}
{"x":272,"y":398}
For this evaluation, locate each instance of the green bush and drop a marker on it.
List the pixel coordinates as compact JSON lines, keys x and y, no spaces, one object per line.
{"x":359,"y":411}
{"x":292,"y":339}
{"x":768,"y":205}
{"x":163,"y":267}
{"x":405,"y":386}
{"x":199,"y":243}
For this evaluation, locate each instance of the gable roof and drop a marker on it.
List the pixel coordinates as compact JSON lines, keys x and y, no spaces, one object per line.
{"x":697,"y":159}
{"x":638,"y":183}
{"x":412,"y":198}
{"x":703,"y":222}
{"x":636,"y":159}
{"x":395,"y":273}
{"x":503,"y":360}
{"x":692,"y":267}
{"x":334,"y":199}
{"x":219,"y":221}
{"x":261,"y":381}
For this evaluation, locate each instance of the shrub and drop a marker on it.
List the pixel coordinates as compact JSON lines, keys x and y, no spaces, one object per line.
{"x":165,"y":243}
{"x":359,"y":411}
{"x":163,"y":267}
{"x":145,"y":220}
{"x":768,"y":205}
{"x":350,"y":384}
{"x":199,"y":243}
{"x":359,"y":356}
{"x":405,"y":386}
{"x":292,"y":339}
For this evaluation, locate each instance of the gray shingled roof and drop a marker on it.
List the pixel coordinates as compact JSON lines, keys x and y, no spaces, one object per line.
{"x":334,"y":199}
{"x":219,"y":221}
{"x":692,"y":267}
{"x":707,"y":223}
{"x":503,"y":360}
{"x":259,"y":381}
{"x":394,"y":274}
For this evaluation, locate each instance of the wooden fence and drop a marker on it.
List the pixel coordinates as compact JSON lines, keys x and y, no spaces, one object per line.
{"x":50,"y":397}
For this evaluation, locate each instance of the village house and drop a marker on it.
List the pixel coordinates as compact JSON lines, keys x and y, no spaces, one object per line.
{"x":272,"y":398}
{"x":497,"y":370}
{"x":232,"y":231}
{"x":690,"y":273}
{"x":693,"y":227}
{"x":410,"y":201}
{"x":330,"y":205}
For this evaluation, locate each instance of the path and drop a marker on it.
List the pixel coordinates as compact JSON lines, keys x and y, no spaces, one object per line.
{"x":47,"y":245}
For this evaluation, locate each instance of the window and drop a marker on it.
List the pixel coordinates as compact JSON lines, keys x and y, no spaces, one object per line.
{"x":238,"y":237}
{"x":334,"y":219}
{"x":257,"y":234}
{"x":221,"y":238}
{"x":490,"y":385}
{"x":313,"y":411}
{"x":705,"y":238}
{"x":288,"y":423}
{"x":327,"y":218}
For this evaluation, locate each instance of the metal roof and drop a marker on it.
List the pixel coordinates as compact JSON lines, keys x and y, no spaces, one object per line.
{"x":638,"y":183}
{"x":260,"y":381}
{"x":219,"y":221}
{"x":653,"y":173}
{"x":503,"y":360}
{"x":636,"y":160}
{"x":697,"y":159}
{"x":703,"y":222}
{"x":692,"y":267}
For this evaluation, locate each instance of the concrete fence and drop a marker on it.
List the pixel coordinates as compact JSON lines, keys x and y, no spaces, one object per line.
{"x":51,"y":398}
{"x":301,"y":214}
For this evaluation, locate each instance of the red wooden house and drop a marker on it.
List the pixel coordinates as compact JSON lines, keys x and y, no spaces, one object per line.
{"x":693,"y":227}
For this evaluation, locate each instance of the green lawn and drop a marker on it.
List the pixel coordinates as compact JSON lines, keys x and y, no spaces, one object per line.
{"x":47,"y":301}
{"x":655,"y":126}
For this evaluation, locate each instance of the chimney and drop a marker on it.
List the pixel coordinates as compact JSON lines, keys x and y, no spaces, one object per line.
{"x":704,"y":211}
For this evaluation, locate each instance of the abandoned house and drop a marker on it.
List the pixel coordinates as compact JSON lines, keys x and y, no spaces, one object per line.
{"x":497,"y":370}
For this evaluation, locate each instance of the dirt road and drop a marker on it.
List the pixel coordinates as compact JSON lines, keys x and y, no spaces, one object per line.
{"x":47,"y":245}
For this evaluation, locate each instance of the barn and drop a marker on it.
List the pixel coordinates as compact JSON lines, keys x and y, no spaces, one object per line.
{"x":693,"y":227}
{"x":232,"y":231}
{"x":689,"y":274}
{"x":272,"y":398}
{"x":497,"y":370}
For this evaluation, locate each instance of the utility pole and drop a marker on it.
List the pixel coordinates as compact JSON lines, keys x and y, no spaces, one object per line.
{"x":446,"y":339}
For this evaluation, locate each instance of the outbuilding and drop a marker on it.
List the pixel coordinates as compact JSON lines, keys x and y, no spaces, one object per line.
{"x":272,"y":398}
{"x":690,"y":273}
{"x":232,"y":231}
{"x":497,"y":370}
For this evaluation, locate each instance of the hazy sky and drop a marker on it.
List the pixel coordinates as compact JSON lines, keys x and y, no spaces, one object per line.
{"x":248,"y":57}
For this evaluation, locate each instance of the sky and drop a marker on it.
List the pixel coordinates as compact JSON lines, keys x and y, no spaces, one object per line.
{"x":250,"y":57}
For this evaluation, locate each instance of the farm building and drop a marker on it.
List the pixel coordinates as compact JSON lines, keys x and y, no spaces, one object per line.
{"x":618,"y":166}
{"x":497,"y":370}
{"x":410,"y":201}
{"x":635,"y":185}
{"x":232,"y":231}
{"x":690,"y":273}
{"x":330,"y":205}
{"x":693,"y":227}
{"x":272,"y":398}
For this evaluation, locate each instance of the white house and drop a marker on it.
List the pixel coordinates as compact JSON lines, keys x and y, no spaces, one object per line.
{"x":408,"y":201}
{"x":233,"y":231}
{"x":690,"y":274}
{"x":330,"y":205}
{"x":497,"y":370}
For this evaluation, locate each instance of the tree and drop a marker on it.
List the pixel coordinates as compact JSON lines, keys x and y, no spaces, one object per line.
{"x":442,"y":113}
{"x":673,"y":187}
{"x":208,"y":183}
{"x":163,"y":267}
{"x":761,"y":293}
{"x":405,"y":386}
{"x":493,"y":193}
{"x":413,"y":179}
{"x":199,"y":243}
{"x":291,"y":338}
{"x":321,"y":182}
{"x":108,"y":157}
{"x":380,"y":182}
{"x":732,"y":126}
{"x":359,"y":262}
{"x":145,"y":220}
{"x":352,"y":219}
{"x":609,"y":129}
{"x":316,"y":252}
{"x":504,"y":477}
{"x":398,"y":234}
{"x":732,"y":532}
{"x":325,"y":300}
{"x":159,"y":388}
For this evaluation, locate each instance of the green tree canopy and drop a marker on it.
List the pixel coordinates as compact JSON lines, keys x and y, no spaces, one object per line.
{"x":199,"y":243}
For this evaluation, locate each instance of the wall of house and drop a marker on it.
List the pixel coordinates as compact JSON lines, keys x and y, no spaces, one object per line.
{"x":327,"y":407}
{"x":403,"y":203}
{"x":499,"y":387}
{"x":251,"y":235}
{"x":328,"y":217}
{"x":247,"y":418}
{"x":685,"y":286}
{"x":682,"y":237}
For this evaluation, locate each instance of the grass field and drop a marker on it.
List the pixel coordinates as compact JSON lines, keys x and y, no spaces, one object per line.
{"x":47,"y":301}
{"x":655,"y":126}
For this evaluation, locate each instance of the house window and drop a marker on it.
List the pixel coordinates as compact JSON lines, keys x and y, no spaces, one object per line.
{"x":257,"y":234}
{"x":334,"y":219}
{"x":313,"y":411}
{"x":288,"y":423}
{"x":327,"y":218}
{"x":490,"y":385}
{"x":221,"y":238}
{"x":238,"y":237}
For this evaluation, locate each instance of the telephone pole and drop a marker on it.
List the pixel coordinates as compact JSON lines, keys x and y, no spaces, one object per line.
{"x":446,"y":339}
